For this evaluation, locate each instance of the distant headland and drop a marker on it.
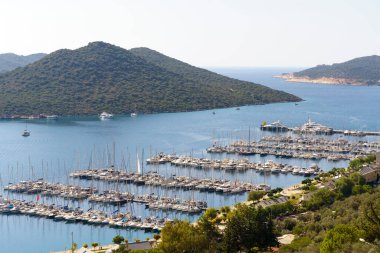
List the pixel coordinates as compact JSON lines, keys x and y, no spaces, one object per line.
{"x":359,"y":71}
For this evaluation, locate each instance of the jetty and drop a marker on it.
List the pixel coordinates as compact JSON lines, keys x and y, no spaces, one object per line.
{"x":300,"y":147}
{"x":232,"y":165}
{"x":51,"y":189}
{"x":115,"y":198}
{"x":179,"y":182}
{"x":94,"y":217}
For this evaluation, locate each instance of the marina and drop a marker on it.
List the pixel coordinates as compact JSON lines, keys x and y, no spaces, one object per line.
{"x":57,"y":148}
{"x":300,"y":147}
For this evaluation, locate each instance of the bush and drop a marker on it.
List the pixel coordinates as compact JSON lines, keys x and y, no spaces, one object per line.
{"x":297,"y":244}
{"x":255,"y":195}
{"x":341,"y":235}
{"x":289,"y":224}
{"x":321,"y":197}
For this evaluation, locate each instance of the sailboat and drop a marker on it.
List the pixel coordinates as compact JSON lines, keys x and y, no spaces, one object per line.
{"x":26,"y":132}
{"x":138,"y":165}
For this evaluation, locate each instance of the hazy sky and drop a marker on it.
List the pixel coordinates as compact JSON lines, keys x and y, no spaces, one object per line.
{"x":200,"y":32}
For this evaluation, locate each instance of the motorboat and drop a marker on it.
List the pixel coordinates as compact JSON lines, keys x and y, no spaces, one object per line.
{"x":105,"y":115}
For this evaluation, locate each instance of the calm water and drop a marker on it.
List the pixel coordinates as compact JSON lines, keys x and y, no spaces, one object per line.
{"x":57,"y":147}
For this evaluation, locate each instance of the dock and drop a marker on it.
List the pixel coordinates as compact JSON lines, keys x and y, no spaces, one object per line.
{"x":311,"y":127}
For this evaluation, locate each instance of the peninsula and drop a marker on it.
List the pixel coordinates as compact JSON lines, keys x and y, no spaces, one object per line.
{"x":103,"y":77}
{"x":359,"y":71}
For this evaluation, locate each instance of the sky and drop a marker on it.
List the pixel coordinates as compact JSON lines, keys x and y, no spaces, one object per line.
{"x":207,"y":33}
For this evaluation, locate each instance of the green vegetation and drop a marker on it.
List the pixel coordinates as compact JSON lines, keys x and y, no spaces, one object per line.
{"x":256,"y":195}
{"x":340,"y":237}
{"x":248,"y":228}
{"x":102,"y":77}
{"x":10,"y":62}
{"x":181,"y":236}
{"x":364,"y":70}
{"x":357,"y":163}
{"x":340,"y":214}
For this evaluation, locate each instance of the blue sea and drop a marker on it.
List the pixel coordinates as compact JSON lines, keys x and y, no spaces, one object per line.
{"x":57,"y":147}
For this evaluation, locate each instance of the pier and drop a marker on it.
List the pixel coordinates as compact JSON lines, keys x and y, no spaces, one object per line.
{"x":115,"y":198}
{"x":300,"y":147}
{"x":180,"y":182}
{"x":232,"y":165}
{"x":311,"y":127}
{"x":94,"y":217}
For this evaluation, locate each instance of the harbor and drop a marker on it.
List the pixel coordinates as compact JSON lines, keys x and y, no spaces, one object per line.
{"x":300,"y":147}
{"x":57,"y":148}
{"x":311,"y":127}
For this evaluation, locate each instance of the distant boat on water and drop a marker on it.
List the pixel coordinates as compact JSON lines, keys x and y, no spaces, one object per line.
{"x":105,"y":115}
{"x":133,"y":114}
{"x":52,"y":116}
{"x":26,"y":132}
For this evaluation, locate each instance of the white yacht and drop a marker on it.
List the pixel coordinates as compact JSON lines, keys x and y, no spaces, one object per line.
{"x":133,"y":114}
{"x":26,"y":133}
{"x":105,"y":115}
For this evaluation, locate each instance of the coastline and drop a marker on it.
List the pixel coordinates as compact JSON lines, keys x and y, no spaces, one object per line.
{"x":322,"y":80}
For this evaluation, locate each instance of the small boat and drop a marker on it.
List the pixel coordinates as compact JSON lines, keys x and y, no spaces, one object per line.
{"x":105,"y":115}
{"x":52,"y":116}
{"x":26,"y":133}
{"x":213,"y":113}
{"x":133,"y":114}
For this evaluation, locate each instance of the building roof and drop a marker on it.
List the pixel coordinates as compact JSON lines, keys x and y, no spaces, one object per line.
{"x":270,"y":202}
{"x":367,"y":170}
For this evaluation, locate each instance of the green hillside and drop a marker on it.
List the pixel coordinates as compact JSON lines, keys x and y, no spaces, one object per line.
{"x":103,"y":77}
{"x":362,"y":70}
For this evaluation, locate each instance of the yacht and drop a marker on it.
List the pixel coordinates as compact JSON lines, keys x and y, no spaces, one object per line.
{"x":26,"y":133}
{"x":105,"y":115}
{"x":133,"y":114}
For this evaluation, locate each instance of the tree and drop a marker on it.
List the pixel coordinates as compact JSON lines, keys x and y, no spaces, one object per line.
{"x":320,"y":198}
{"x":74,"y":246}
{"x":248,"y":227}
{"x":340,"y":236}
{"x":94,"y":245}
{"x":207,"y":226}
{"x":344,"y":186}
{"x":357,"y":178}
{"x":371,"y":219}
{"x":85,"y":245}
{"x":255,"y":195}
{"x":118,"y":239}
{"x":181,"y":236}
{"x":156,"y":237}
